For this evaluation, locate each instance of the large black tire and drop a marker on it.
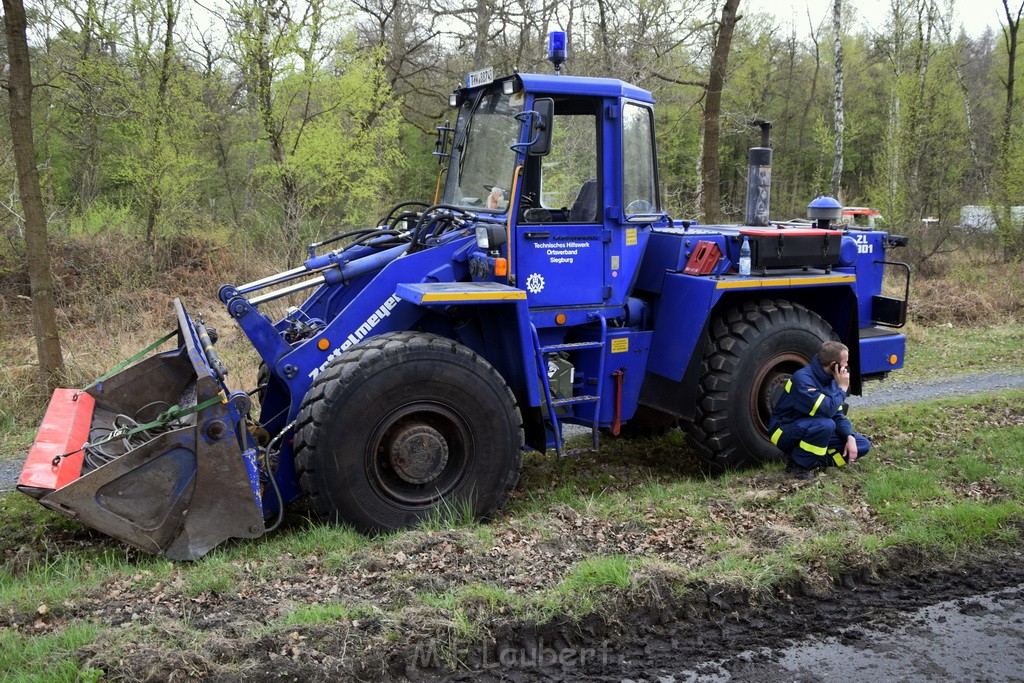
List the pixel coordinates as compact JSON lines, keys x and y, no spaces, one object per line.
{"x":750,"y":351}
{"x":405,"y":426}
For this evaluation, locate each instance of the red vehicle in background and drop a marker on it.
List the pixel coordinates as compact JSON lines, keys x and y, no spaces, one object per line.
{"x":862,"y":217}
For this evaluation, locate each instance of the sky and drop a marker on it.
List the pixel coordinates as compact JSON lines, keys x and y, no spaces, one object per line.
{"x":973,"y":15}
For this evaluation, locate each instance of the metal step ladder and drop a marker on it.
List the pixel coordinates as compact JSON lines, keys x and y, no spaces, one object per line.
{"x":551,"y":402}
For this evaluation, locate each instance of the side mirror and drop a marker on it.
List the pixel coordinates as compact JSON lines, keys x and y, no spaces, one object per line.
{"x":542,"y":126}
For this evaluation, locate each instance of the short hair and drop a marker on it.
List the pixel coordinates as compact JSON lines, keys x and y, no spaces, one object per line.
{"x":831,"y":352}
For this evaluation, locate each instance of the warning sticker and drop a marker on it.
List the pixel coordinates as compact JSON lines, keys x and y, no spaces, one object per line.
{"x":620,"y":345}
{"x":630,"y":237}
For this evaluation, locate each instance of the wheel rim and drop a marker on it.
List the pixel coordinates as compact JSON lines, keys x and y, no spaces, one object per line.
{"x":768,"y":384}
{"x":419,"y":453}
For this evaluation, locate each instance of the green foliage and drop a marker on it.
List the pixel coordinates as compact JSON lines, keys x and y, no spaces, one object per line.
{"x":343,"y":156}
{"x":103,"y":216}
{"x":300,"y":124}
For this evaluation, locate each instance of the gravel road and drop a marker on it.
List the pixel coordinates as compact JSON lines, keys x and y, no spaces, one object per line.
{"x":9,"y":471}
{"x":899,"y":391}
{"x":875,"y":394}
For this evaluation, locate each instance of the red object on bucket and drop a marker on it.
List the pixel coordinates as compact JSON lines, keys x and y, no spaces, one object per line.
{"x":51,"y":463}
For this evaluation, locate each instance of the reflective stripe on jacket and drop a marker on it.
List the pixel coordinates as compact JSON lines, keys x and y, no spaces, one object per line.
{"x":811,"y":392}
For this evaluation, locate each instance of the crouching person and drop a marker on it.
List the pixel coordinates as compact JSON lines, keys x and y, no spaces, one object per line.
{"x":808,"y":424}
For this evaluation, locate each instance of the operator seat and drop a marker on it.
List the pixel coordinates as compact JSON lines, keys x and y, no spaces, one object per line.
{"x":584,"y":209}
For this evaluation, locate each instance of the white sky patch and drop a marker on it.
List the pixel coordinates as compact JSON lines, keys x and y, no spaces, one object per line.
{"x":973,"y":15}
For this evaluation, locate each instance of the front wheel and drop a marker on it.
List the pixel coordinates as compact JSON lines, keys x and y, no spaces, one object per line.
{"x":405,"y":426}
{"x":750,"y":351}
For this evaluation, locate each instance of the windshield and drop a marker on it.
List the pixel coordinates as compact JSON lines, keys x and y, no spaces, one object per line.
{"x":482,"y":162}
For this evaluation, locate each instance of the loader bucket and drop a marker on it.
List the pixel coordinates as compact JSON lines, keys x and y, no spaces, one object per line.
{"x":177,"y":488}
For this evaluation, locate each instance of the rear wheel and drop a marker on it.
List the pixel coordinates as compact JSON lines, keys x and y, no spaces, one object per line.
{"x":405,"y":426}
{"x":750,"y":352}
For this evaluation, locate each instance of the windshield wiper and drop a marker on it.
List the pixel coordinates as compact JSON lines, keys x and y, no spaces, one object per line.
{"x":463,"y":143}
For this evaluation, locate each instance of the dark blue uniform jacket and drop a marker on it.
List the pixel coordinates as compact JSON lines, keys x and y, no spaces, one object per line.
{"x":812,"y":392}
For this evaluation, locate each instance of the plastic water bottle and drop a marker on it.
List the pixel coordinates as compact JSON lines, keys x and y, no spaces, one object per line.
{"x":745,"y":258}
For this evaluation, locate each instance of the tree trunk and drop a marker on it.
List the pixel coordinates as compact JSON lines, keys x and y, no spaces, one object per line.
{"x":801,"y":130}
{"x":602,"y":28}
{"x":1012,"y":238}
{"x":710,"y":172}
{"x":840,"y":122}
{"x":484,"y":14}
{"x":155,"y":200}
{"x":44,"y":318}
{"x":1010,"y":36}
{"x":89,"y":171}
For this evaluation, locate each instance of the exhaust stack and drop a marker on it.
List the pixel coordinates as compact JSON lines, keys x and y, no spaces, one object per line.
{"x":759,"y":178}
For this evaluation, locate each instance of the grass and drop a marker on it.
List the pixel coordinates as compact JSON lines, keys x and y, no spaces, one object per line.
{"x":949,"y":350}
{"x":323,"y":614}
{"x":28,"y":658}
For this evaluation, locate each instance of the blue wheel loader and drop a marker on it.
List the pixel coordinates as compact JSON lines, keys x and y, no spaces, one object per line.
{"x":417,"y":359}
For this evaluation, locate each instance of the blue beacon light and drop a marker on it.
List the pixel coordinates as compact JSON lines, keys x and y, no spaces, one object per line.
{"x":557,"y":51}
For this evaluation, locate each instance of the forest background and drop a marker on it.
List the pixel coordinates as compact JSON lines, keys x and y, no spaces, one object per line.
{"x":157,"y":117}
{"x":267,"y":124}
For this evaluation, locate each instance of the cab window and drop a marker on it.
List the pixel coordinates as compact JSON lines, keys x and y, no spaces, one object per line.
{"x":639,"y":178}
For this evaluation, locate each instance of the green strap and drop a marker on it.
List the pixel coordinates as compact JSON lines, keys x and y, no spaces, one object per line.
{"x":126,"y":363}
{"x":172,"y":413}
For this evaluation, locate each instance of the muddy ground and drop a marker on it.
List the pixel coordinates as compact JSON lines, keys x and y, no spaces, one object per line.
{"x":804,"y":636}
{"x":799,"y":633}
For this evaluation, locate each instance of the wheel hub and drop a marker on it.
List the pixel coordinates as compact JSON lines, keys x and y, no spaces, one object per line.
{"x":418,"y":453}
{"x":769,"y":384}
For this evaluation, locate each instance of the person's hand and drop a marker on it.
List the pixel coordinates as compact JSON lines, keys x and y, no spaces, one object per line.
{"x":850,"y":451}
{"x":841,"y":372}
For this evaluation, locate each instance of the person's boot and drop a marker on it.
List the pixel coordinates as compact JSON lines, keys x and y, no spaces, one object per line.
{"x":798,"y":472}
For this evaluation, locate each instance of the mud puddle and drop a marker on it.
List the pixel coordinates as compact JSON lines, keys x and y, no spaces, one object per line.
{"x":980,"y":638}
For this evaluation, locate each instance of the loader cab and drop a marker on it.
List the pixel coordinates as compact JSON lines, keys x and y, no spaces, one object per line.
{"x":582,"y":203}
{"x":579,"y":237}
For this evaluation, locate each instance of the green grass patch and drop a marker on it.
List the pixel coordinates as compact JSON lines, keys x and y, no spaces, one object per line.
{"x":893,"y":494}
{"x":29,"y":658}
{"x":947,"y":350}
{"x":305,"y":536}
{"x":597,"y":573}
{"x":323,"y":614}
{"x":961,"y":526}
{"x":450,"y":514}
{"x":740,"y":570}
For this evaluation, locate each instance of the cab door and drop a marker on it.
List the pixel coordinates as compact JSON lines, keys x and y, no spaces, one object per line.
{"x":560,"y":237}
